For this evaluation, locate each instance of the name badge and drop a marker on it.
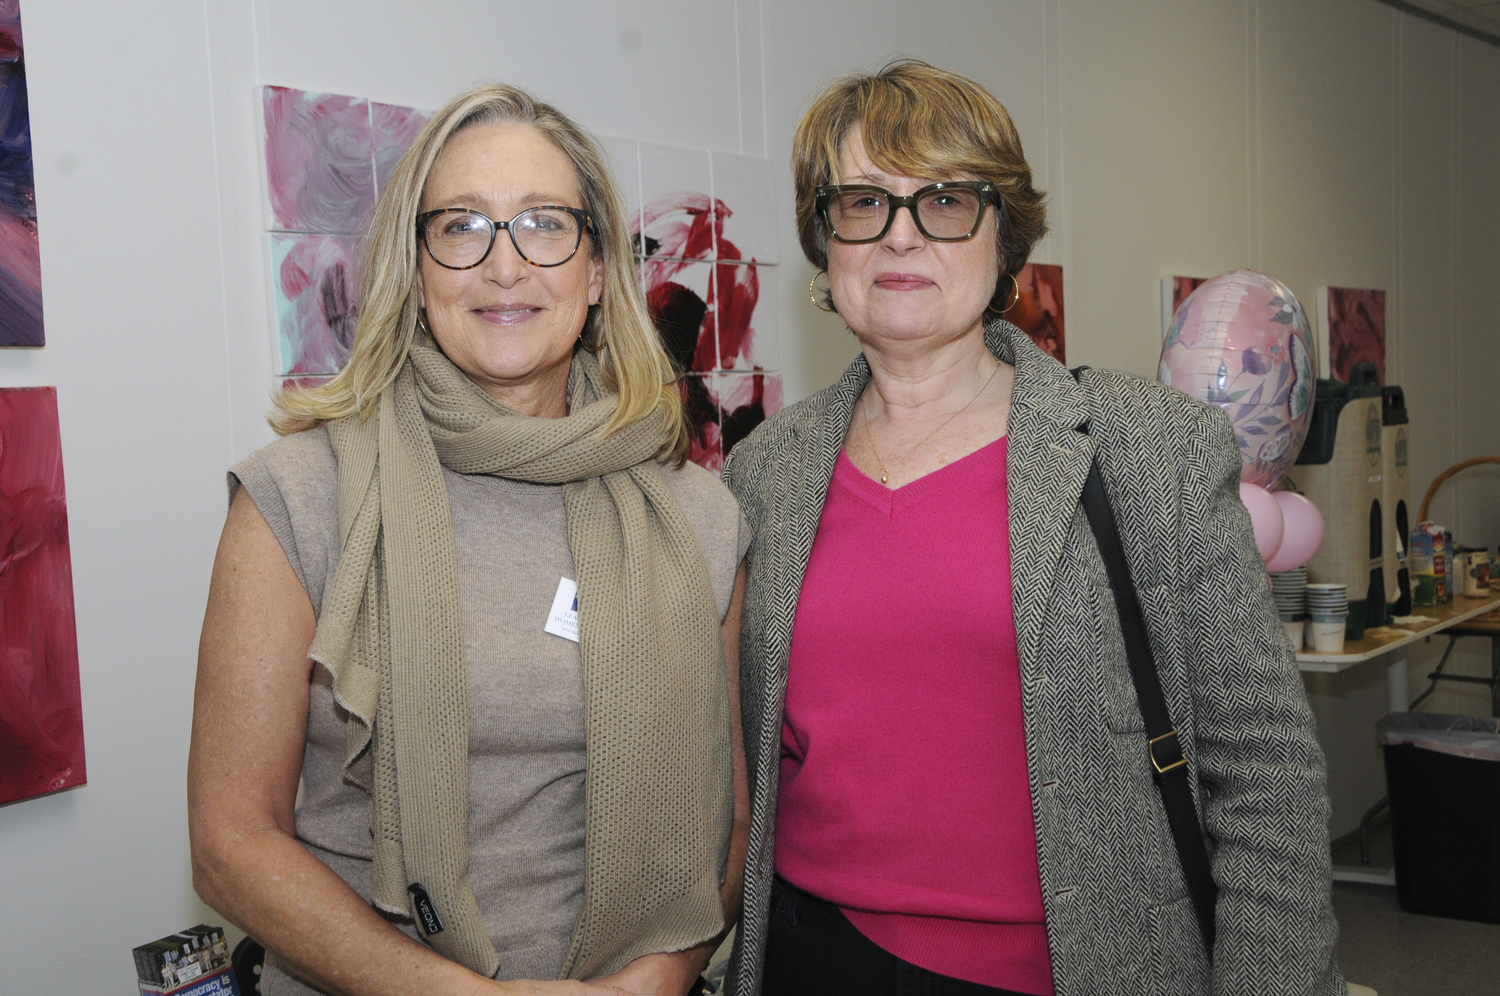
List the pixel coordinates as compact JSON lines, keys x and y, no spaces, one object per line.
{"x":563,"y":619}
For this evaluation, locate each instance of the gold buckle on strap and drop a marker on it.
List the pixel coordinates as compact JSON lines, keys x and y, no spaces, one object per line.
{"x":1151,"y":749}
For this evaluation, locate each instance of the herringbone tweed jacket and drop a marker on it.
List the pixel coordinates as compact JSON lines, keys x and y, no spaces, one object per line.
{"x":1119,"y":920}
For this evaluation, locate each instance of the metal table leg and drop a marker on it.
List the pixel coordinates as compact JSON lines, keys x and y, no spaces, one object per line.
{"x":1396,"y":695}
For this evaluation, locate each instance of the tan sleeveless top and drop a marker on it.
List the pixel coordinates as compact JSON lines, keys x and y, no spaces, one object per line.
{"x":526,"y":753}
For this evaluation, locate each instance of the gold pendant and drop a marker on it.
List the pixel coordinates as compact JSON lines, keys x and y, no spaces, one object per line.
{"x":885,"y":477}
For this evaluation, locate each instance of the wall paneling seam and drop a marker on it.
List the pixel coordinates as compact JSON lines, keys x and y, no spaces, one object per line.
{"x":209,"y":33}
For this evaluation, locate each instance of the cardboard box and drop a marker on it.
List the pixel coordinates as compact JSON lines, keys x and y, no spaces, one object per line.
{"x":1430,"y":565}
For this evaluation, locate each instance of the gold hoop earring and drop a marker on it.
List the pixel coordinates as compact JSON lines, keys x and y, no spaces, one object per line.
{"x":422,"y":325}
{"x":1016,"y":285}
{"x":826,"y":304}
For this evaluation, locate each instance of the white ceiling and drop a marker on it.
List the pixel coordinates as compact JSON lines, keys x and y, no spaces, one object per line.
{"x":1481,"y":15}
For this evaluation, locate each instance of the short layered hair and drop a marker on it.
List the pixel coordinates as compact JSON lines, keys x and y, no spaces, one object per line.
{"x":633,"y":361}
{"x":919,"y":121}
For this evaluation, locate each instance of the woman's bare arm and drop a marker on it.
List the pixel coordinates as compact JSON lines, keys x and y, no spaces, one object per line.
{"x":671,"y":974}
{"x":249,"y":730}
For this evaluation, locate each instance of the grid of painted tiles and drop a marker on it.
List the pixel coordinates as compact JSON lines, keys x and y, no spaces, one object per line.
{"x":703,"y":225}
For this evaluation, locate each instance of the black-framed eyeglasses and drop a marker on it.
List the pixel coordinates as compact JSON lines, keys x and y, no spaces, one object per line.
{"x":461,"y":239}
{"x":951,"y":211}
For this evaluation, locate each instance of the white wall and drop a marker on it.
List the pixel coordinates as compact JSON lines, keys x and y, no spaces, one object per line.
{"x":1338,"y":142}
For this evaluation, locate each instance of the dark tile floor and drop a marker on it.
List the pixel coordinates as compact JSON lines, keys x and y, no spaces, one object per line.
{"x":1397,"y":953}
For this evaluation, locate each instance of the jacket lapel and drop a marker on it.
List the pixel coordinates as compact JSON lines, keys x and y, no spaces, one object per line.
{"x":799,"y":492}
{"x":1047,"y":461}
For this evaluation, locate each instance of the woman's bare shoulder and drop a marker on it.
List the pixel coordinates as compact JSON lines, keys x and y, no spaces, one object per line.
{"x":303,"y":458}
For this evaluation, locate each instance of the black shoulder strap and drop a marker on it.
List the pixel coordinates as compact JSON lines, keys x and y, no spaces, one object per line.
{"x":1162,"y":744}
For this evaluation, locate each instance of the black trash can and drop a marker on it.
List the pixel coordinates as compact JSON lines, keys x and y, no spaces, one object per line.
{"x":1443,"y":776}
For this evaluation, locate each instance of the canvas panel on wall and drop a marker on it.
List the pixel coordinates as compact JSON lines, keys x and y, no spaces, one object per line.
{"x":20,"y":259}
{"x":677,"y":216}
{"x":745,"y":316}
{"x":314,"y":300}
{"x":392,"y":130}
{"x":41,"y":710}
{"x":745,"y":401}
{"x":1038,"y":308}
{"x":320,"y":161}
{"x":1351,"y":329}
{"x":680,"y":299}
{"x":1175,"y":290}
{"x":744,"y":191}
{"x":623,"y":158}
{"x":722,"y":409}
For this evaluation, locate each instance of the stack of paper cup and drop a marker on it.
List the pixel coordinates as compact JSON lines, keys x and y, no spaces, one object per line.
{"x":1328,"y":611}
{"x":1289,"y":588}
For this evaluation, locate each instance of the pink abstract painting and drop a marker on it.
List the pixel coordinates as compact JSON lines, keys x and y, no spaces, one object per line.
{"x":678,"y":205}
{"x":1356,"y":330}
{"x":1038,"y":310}
{"x":392,"y":130}
{"x":20,"y":259}
{"x":41,"y":711}
{"x":319,"y":161}
{"x":326,"y":155}
{"x":315,"y":299}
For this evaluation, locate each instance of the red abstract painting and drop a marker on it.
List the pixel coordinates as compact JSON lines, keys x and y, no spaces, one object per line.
{"x":1182,"y":287}
{"x":1038,"y":310}
{"x":745,"y":401}
{"x":1355,"y":321}
{"x":701,"y":405}
{"x":41,"y":714}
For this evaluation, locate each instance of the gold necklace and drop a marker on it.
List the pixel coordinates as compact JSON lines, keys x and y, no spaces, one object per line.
{"x":885,"y":474}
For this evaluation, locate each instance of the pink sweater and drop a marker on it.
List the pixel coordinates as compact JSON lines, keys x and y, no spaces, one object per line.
{"x":904,"y":791}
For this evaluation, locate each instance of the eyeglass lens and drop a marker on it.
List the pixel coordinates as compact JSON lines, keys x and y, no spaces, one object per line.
{"x":950,"y":213}
{"x":544,"y":236}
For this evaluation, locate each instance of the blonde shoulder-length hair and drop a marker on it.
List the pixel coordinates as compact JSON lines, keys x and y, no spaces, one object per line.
{"x":632,"y":358}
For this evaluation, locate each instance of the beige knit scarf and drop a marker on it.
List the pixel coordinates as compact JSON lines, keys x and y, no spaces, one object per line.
{"x":658,"y":799}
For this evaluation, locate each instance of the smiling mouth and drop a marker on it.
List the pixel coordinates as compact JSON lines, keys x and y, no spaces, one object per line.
{"x":507,"y":314}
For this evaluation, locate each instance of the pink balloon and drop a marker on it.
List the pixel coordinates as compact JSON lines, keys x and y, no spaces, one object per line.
{"x":1266,"y":516}
{"x":1302,"y":535}
{"x":1241,"y":341}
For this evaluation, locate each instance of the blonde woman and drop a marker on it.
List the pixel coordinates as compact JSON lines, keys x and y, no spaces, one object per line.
{"x":477,"y":603}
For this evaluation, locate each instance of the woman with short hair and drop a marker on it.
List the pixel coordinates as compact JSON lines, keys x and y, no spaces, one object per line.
{"x":475,"y":600}
{"x":952,"y":791}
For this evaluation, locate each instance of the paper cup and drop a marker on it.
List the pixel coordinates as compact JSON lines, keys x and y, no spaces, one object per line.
{"x":1294,"y":631}
{"x":1326,"y":636}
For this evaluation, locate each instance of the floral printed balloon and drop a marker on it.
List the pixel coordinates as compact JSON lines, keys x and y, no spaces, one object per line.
{"x":1241,"y":341}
